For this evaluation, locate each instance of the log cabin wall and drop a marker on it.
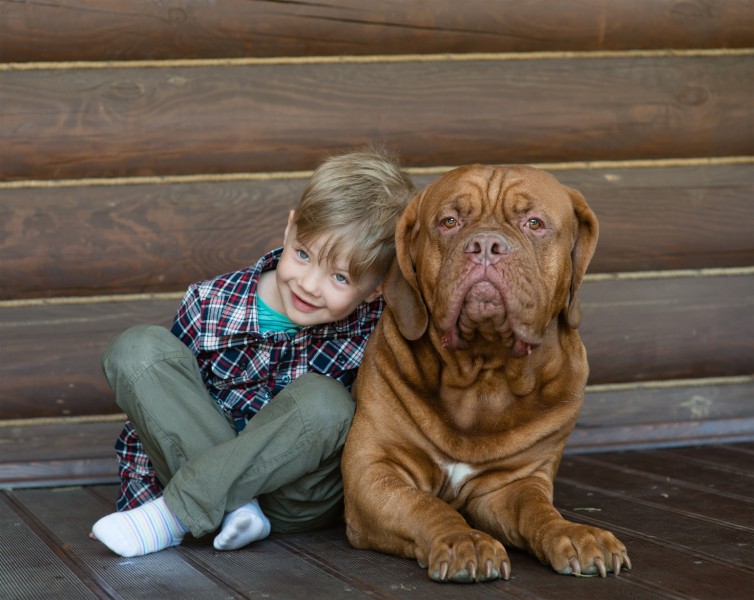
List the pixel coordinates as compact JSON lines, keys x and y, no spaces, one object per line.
{"x":147,"y":145}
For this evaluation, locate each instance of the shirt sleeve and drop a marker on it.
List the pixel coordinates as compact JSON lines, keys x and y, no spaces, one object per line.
{"x":138,"y":480}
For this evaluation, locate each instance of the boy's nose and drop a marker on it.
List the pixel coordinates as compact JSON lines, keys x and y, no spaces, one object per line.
{"x":310,"y":283}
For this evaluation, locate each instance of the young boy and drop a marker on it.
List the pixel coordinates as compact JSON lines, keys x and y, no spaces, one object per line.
{"x":242,"y":409}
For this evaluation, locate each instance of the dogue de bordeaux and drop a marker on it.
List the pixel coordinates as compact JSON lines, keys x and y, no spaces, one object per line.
{"x":473,"y":380}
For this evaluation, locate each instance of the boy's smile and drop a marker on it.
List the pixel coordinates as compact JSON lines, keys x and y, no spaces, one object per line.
{"x":310,"y":290}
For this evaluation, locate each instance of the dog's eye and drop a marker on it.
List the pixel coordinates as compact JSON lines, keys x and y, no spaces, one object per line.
{"x":449,"y":222}
{"x":534,"y":224}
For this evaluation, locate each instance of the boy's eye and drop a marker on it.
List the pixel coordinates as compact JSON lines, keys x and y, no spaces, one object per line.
{"x":302,"y":254}
{"x":340,"y":278}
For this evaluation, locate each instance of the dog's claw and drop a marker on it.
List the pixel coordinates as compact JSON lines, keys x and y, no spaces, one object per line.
{"x":505,"y":570}
{"x":471,"y":568}
{"x":616,"y":564}
{"x":600,"y":566}
{"x":627,"y":561}
{"x":489,"y":571}
{"x":575,"y":566}
{"x":443,"y":571}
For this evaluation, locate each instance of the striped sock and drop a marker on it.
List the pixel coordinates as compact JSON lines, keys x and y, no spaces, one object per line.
{"x":149,"y":528}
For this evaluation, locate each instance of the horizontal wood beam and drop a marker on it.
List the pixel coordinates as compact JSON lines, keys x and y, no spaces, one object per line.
{"x":163,"y":120}
{"x":123,"y":30}
{"x":634,"y":330}
{"x":121,"y":239}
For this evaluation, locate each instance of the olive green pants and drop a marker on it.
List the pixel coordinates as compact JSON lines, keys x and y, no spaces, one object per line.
{"x":288,"y":455}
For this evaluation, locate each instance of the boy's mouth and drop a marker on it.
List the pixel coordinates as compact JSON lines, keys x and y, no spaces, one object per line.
{"x":302,"y":305}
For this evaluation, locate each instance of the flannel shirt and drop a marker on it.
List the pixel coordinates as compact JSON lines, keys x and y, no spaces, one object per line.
{"x":242,"y":367}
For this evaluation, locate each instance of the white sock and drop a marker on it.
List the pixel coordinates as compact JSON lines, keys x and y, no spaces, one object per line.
{"x":242,"y":526}
{"x":149,"y":528}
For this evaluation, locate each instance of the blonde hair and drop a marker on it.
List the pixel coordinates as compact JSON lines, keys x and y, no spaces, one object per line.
{"x":354,"y":200}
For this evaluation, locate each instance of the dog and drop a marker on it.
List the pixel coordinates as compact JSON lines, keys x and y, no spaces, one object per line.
{"x":473,"y":379}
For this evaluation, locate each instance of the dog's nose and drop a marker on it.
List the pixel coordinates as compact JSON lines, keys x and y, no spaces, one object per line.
{"x":487,"y":248}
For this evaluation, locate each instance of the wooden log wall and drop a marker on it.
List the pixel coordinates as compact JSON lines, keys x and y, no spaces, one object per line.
{"x":144,"y":146}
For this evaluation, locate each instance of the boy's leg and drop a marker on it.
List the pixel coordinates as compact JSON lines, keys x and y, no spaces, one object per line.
{"x":288,"y":455}
{"x":157,"y":383}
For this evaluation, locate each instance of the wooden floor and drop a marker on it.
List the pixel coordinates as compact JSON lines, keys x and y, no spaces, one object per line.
{"x":686,"y":515}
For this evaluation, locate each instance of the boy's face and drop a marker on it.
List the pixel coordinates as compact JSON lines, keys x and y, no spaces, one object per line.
{"x":313,"y":292}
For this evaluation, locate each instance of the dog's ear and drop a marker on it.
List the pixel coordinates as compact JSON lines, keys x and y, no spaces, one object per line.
{"x":401,"y":287}
{"x":582,"y":252}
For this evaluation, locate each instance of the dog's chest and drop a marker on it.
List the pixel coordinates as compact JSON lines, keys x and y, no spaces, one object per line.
{"x":455,"y":475}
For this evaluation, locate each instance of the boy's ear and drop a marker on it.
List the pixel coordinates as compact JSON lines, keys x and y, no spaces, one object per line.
{"x":288,"y":225}
{"x":376,"y":293}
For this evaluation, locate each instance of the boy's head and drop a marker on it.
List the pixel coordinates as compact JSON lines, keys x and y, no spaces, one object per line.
{"x":352,"y":203}
{"x":340,"y":239}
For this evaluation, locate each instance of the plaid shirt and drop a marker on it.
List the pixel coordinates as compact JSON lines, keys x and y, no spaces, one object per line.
{"x":242,"y":367}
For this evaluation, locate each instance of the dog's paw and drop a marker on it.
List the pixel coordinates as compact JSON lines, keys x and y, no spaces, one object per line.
{"x":467,"y":557}
{"x":573,"y":549}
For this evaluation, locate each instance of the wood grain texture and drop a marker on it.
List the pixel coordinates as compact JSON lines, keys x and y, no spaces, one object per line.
{"x":684,"y":327}
{"x":72,"y":241}
{"x":132,"y":239}
{"x":161,"y":121}
{"x":645,"y":330}
{"x":61,"y":453}
{"x":37,"y":30}
{"x":50,"y":355}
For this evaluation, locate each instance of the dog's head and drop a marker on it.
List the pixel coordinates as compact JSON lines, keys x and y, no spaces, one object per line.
{"x":490,"y":255}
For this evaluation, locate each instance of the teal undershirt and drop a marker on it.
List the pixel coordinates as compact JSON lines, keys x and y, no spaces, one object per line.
{"x":271,"y":320}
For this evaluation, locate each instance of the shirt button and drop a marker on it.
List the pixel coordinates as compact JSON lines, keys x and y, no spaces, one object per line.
{"x":285,"y":379}
{"x":266,"y":395}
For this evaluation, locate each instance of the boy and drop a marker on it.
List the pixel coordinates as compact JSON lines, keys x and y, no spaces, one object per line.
{"x":241,"y":411}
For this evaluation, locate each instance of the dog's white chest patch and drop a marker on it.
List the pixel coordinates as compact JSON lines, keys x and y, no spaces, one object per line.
{"x":457,"y":474}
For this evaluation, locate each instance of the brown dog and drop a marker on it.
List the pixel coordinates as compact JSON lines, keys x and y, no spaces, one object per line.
{"x":473,"y":379}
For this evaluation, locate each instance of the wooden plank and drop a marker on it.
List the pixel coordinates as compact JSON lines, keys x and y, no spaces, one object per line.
{"x":736,"y":458}
{"x":121,"y":30}
{"x":58,"y":453}
{"x":104,"y":122}
{"x":668,"y":401}
{"x":675,"y":328}
{"x":673,"y":496}
{"x":586,"y":440}
{"x":664,"y":466}
{"x":24,"y":555}
{"x":278,"y":573}
{"x":664,"y":414}
{"x":61,"y":375}
{"x":67,"y":516}
{"x":644,"y":330}
{"x":82,"y":240}
{"x":141,"y":238}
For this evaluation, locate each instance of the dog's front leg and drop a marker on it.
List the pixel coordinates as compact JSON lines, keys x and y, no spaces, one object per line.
{"x":522,"y":514}
{"x":389,"y":515}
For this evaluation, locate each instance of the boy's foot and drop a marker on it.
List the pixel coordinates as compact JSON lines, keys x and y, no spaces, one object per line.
{"x":242,"y":526}
{"x":149,"y":528}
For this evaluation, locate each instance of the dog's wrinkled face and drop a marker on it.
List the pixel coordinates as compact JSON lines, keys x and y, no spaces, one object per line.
{"x":501,"y":251}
